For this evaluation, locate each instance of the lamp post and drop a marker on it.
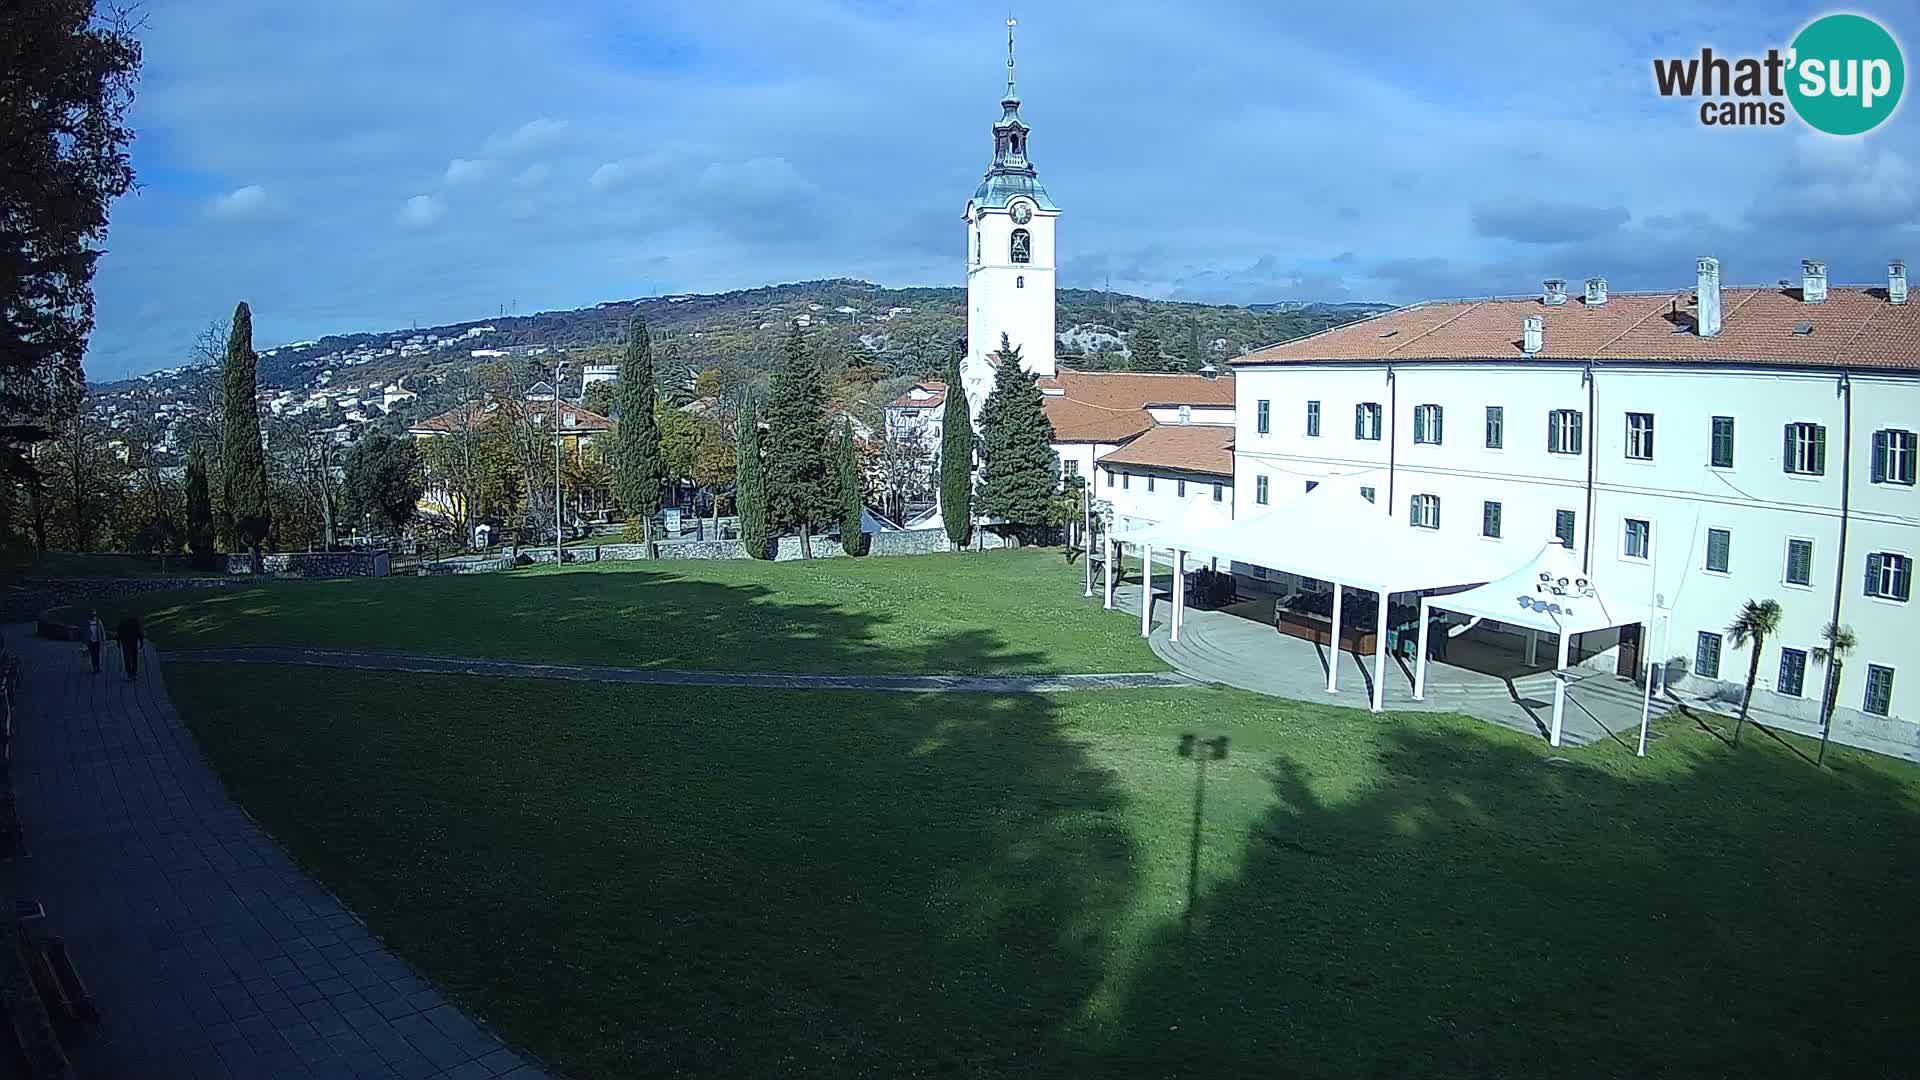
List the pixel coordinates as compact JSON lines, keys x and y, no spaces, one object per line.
{"x":558,"y":366}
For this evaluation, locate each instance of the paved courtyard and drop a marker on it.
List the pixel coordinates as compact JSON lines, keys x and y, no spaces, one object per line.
{"x":207,"y":951}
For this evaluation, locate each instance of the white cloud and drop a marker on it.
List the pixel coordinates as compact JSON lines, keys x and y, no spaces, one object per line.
{"x":531,"y":135}
{"x":461,"y":170}
{"x":533,"y":175}
{"x":422,"y":211}
{"x":243,"y":202}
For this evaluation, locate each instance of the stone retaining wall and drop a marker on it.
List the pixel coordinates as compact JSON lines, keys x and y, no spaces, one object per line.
{"x":29,"y":598}
{"x":316,"y":564}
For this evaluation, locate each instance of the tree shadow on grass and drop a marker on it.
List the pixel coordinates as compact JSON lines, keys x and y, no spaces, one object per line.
{"x":1476,"y":912}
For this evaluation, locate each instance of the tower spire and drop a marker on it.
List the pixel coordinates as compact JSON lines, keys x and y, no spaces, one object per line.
{"x":1011,"y":23}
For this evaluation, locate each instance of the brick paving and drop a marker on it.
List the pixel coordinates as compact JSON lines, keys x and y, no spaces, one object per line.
{"x":208,"y":952}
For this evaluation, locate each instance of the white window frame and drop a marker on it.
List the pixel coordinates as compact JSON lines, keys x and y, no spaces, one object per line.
{"x":1786,"y":565}
{"x":1809,"y":441}
{"x":1706,"y":562}
{"x":1566,"y":432}
{"x":1893,"y":449}
{"x":1896,"y":568}
{"x":1733,"y":441}
{"x":1495,"y":434}
{"x":1626,"y":539}
{"x":1423,"y":511}
{"x":1639,"y":437}
{"x":1368,"y":423}
{"x":1260,"y":491}
{"x":1263,"y":417}
{"x":1427,"y":424}
{"x":1313,"y":419}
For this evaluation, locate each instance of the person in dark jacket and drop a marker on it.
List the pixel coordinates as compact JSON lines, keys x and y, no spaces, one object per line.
{"x":130,"y":636}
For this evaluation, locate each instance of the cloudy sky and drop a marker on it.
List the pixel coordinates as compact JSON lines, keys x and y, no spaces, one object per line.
{"x":364,"y":165}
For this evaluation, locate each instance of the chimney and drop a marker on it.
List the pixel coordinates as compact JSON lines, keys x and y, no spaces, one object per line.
{"x":1556,"y":292}
{"x":1596,"y":291}
{"x":1533,"y":332}
{"x":1896,"y":282}
{"x":1813,"y":281}
{"x":1707,"y":297}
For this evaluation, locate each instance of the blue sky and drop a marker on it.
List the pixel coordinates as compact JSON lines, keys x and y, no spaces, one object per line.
{"x":361,"y":165}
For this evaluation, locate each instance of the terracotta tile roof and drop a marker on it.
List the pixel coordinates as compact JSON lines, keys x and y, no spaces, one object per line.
{"x":474,"y":414}
{"x":1197,"y":448}
{"x":1111,"y":406}
{"x":937,"y":396}
{"x":1855,"y":327}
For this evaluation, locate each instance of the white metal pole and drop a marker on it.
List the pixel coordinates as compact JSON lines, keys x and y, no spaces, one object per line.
{"x":556,"y":463}
{"x":1333,"y":647}
{"x":1146,"y":589}
{"x":1179,"y":591}
{"x":1107,"y":548}
{"x":1420,"y":661}
{"x":1646,"y":647}
{"x":1380,"y":654}
{"x":1559,"y":690}
{"x":1086,"y":531}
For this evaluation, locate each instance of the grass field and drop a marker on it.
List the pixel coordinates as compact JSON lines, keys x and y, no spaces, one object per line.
{"x":1001,"y":612}
{"x":648,"y":881}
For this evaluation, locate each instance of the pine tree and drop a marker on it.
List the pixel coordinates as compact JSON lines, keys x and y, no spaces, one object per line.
{"x":675,"y":375}
{"x":1018,"y":481}
{"x":850,"y":494}
{"x":244,"y":461}
{"x":750,"y":485}
{"x":199,"y":510}
{"x":956,"y":461}
{"x":1143,"y":352}
{"x":637,"y":466}
{"x":801,"y":485}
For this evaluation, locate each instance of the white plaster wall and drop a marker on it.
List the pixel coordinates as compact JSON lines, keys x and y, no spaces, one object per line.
{"x":996,"y":301}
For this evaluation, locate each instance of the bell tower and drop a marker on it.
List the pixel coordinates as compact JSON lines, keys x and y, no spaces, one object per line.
{"x":1010,"y":255}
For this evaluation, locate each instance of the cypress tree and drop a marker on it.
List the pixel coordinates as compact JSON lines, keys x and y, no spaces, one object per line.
{"x":956,"y":461}
{"x":244,"y":461}
{"x":800,"y":479}
{"x":199,"y":510}
{"x":1143,"y":352}
{"x":1018,"y":481}
{"x":675,"y":376}
{"x":750,"y":485}
{"x":850,"y":494}
{"x":637,"y":466}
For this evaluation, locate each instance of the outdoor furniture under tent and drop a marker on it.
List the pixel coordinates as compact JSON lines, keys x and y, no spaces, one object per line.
{"x":1199,"y":522}
{"x":1550,"y":595}
{"x":1336,"y":535}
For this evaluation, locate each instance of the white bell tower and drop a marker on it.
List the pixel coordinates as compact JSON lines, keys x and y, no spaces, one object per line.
{"x":1010,"y":257}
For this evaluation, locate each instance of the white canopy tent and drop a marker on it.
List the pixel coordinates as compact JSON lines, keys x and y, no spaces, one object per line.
{"x":1549,"y":594}
{"x":1200,"y":522}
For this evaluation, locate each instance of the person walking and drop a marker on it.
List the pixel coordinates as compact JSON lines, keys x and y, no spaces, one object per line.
{"x":130,"y":636}
{"x":95,"y":633}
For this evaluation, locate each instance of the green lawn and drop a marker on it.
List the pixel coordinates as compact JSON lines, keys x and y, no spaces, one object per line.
{"x":649,"y":881}
{"x":1001,"y":612}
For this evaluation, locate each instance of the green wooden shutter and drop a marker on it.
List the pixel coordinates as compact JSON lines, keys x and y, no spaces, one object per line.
{"x":1819,"y":451}
{"x":1880,"y":439}
{"x":1786,"y":449}
{"x":1437,"y":417}
{"x":1873,"y":575}
{"x":1359,"y":418}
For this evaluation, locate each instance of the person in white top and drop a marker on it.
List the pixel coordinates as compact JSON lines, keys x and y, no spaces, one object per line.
{"x":95,"y":634}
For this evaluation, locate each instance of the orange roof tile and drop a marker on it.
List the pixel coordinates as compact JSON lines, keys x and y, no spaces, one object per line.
{"x":937,"y":396}
{"x":1111,"y":406}
{"x":1198,"y":448}
{"x":473,"y":414}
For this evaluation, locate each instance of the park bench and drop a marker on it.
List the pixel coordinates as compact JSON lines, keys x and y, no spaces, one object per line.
{"x":29,"y":1042}
{"x":55,"y":978}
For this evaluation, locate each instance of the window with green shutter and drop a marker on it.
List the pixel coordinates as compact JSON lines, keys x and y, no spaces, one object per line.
{"x":1889,"y":575}
{"x":1879,"y":697}
{"x":1313,"y":419}
{"x":1799,"y":562}
{"x":1793,"y":672}
{"x":1426,"y":424}
{"x":1722,"y":450}
{"x":1894,"y":451}
{"x":1719,"y":550}
{"x":1490,"y":520}
{"x":1496,"y":427}
{"x":1706,"y":655}
{"x":1803,"y":450}
{"x":1563,"y":527}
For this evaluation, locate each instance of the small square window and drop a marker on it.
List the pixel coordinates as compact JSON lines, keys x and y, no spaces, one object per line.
{"x":1367,"y":493}
{"x":1719,"y":550}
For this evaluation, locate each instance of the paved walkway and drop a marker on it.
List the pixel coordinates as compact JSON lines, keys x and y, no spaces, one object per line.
{"x":208,"y":952}
{"x":453,"y":665}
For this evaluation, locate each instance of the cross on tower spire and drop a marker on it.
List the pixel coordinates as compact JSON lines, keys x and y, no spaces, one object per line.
{"x":1011,"y":23}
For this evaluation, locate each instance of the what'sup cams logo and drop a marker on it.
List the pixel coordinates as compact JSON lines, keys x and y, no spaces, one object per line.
{"x":1843,"y":75}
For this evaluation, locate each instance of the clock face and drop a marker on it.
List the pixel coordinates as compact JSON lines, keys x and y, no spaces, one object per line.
{"x":1022,"y":213}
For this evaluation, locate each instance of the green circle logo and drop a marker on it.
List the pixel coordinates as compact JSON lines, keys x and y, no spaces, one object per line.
{"x":1846,"y":74}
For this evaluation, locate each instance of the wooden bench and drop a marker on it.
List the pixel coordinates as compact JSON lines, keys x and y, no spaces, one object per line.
{"x":57,"y":981}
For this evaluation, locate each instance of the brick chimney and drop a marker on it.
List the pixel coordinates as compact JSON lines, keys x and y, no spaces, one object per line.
{"x":1596,"y":291}
{"x":1555,"y":292}
{"x":1533,"y":333}
{"x":1897,"y":282}
{"x":1813,"y":281}
{"x":1707,"y":297}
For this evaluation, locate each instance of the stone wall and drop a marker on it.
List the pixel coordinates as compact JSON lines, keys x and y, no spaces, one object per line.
{"x":316,"y":564}
{"x":29,"y":598}
{"x":916,"y":542}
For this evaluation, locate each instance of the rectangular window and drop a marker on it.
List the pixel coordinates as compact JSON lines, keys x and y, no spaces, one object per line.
{"x":1219,"y":492}
{"x":1879,"y":699}
{"x":1263,"y":416}
{"x":1180,"y":488}
{"x":1069,"y":467}
{"x":1889,"y":576}
{"x":1793,"y":672}
{"x":1799,"y":562}
{"x":1637,"y":543}
{"x":1496,"y":427}
{"x":1424,"y":511}
{"x":1313,"y":419}
{"x":1722,"y":453}
{"x":1804,"y":451}
{"x":1706,"y":655}
{"x":1563,"y":527}
{"x":1126,"y":481}
{"x":1563,"y":431}
{"x":1426,"y":424}
{"x":1366,"y":421}
{"x":1260,"y":490}
{"x":1311,"y":484}
{"x":1490,"y":520}
{"x":1367,"y":493}
{"x":1149,"y":481}
{"x":1893,"y":456}
{"x":1719,"y":550}
{"x":1639,"y":436}
{"x":1109,"y":477}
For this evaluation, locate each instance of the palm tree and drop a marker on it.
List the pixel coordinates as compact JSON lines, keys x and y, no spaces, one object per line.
{"x":1758,"y":621}
{"x":1840,"y":642}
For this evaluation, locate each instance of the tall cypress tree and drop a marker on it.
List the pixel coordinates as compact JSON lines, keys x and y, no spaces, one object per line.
{"x":244,"y":460}
{"x":675,"y":375}
{"x":956,"y":460}
{"x":750,"y":484}
{"x":1018,"y":481}
{"x":801,"y":485}
{"x":1143,"y":352}
{"x":199,"y":510}
{"x":637,"y":465}
{"x":852,"y":502}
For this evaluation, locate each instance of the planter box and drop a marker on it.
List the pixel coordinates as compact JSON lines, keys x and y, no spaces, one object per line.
{"x":1318,"y":629}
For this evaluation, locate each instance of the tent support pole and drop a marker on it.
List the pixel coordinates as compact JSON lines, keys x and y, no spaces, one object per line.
{"x":1559,"y":691}
{"x":1533,"y":647}
{"x":1333,"y":644}
{"x":1108,"y":547}
{"x":1146,"y":589}
{"x":1420,"y":661}
{"x":1179,"y":591}
{"x":1380,"y":654}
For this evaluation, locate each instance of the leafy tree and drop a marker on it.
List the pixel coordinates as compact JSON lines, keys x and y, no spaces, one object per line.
{"x":244,"y":462}
{"x":801,"y":483}
{"x":199,"y":510}
{"x":675,"y":375}
{"x":1840,"y":641}
{"x":679,"y":444}
{"x":637,"y":467}
{"x":1143,"y":352}
{"x":598,"y":397}
{"x":1018,"y":479}
{"x":956,"y":460}
{"x":750,"y":486}
{"x":383,"y":479}
{"x":1758,"y":621}
{"x":850,"y":492}
{"x":67,"y":75}
{"x":714,"y":462}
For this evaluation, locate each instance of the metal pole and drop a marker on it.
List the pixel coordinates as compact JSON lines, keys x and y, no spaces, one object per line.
{"x":556,"y":461}
{"x":1646,"y":646}
{"x":1086,"y":530}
